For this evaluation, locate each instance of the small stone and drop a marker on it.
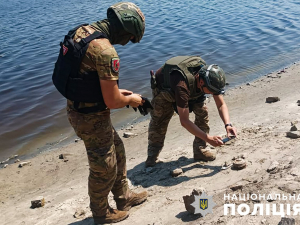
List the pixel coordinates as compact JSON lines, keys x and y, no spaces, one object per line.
{"x":176,"y":172}
{"x":198,"y":191}
{"x":77,"y":139}
{"x":80,"y":213}
{"x":248,"y":84}
{"x":4,"y":161}
{"x":149,"y":169}
{"x":293,"y":134}
{"x":24,"y":164}
{"x":294,"y":128}
{"x":263,"y":221}
{"x":189,"y":199}
{"x":236,"y":187}
{"x":287,"y":221}
{"x":61,"y":156}
{"x":272,"y":196}
{"x":243,"y":156}
{"x":5,"y":165}
{"x":128,"y":134}
{"x":17,"y":160}
{"x":131,"y":126}
{"x":272,"y":99}
{"x":273,"y":167}
{"x":226,"y":83}
{"x":295,"y":172}
{"x":37,"y":203}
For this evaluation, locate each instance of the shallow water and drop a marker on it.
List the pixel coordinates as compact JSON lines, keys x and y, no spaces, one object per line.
{"x":246,"y":38}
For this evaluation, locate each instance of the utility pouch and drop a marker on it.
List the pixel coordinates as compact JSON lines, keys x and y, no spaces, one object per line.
{"x":153,"y":80}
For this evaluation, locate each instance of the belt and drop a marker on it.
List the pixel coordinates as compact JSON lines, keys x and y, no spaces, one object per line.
{"x":92,"y":109}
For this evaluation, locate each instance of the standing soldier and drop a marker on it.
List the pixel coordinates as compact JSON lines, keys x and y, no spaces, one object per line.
{"x":181,"y":85}
{"x":87,"y":73}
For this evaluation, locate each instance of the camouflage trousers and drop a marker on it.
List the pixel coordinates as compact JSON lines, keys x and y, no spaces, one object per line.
{"x":161,"y":114}
{"x":106,"y":156}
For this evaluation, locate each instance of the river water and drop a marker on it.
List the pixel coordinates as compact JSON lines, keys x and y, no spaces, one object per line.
{"x":247,"y":39}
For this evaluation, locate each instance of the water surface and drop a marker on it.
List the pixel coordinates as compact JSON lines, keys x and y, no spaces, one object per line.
{"x":247,"y":39}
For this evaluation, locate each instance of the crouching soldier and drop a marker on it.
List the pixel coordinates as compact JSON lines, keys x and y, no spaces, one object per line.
{"x":180,"y":85}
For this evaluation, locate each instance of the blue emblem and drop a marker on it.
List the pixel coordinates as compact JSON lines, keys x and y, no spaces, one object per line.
{"x":203,"y":203}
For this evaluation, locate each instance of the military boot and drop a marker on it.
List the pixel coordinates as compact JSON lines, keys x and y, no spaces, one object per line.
{"x":131,"y":200}
{"x":111,"y":216}
{"x":151,"y":161}
{"x":204,"y":154}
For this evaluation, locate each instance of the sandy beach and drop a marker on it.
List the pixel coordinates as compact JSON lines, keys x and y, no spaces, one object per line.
{"x":262,"y":140}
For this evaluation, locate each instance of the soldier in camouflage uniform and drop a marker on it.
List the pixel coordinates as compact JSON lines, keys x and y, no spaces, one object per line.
{"x":91,"y":120}
{"x":181,"y":85}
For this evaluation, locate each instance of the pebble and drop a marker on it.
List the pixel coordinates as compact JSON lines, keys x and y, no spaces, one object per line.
{"x":176,"y":172}
{"x":5,"y":165}
{"x":263,"y":221}
{"x":273,"y":166}
{"x":24,"y":164}
{"x":272,"y":99}
{"x":149,"y":169}
{"x":38,"y":203}
{"x":128,"y":134}
{"x":236,"y":187}
{"x":80,"y":213}
{"x":294,"y":128}
{"x":287,"y":221}
{"x":295,"y":172}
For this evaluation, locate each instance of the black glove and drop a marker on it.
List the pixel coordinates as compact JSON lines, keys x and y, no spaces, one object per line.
{"x":145,"y":108}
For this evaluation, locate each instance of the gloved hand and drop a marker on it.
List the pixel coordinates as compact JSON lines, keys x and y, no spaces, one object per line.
{"x":145,"y":108}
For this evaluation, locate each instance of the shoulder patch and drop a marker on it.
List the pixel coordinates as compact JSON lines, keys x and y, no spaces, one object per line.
{"x":115,"y":64}
{"x":65,"y":50}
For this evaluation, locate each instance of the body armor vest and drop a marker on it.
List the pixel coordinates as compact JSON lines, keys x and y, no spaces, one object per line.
{"x":184,"y":65}
{"x":69,"y":82}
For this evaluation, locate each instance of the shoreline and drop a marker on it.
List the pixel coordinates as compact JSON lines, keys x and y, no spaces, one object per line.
{"x":261,"y":137}
{"x":67,"y":136}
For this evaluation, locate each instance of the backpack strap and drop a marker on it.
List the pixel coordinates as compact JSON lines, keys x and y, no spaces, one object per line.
{"x":72,"y":32}
{"x":88,"y":39}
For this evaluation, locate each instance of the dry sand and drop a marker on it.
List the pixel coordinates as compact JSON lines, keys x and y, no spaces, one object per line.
{"x":262,"y":139}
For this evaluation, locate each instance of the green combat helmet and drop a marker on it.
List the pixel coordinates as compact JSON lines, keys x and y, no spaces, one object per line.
{"x":131,"y":18}
{"x":214,"y":78}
